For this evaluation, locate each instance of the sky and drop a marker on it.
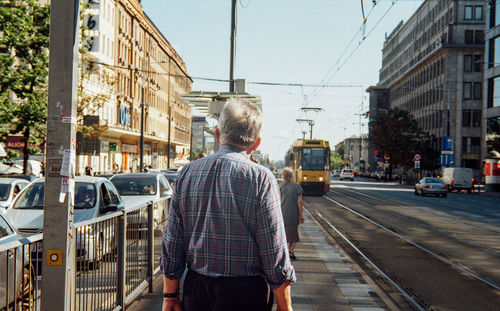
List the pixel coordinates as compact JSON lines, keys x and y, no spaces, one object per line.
{"x":322,"y":44}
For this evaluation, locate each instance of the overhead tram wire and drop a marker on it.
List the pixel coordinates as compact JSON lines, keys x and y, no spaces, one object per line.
{"x":226,"y":80}
{"x":360,"y":30}
{"x":315,"y":92}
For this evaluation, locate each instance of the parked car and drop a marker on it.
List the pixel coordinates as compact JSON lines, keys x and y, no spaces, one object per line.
{"x":9,"y":189}
{"x":16,"y":272}
{"x":458,"y":178}
{"x":336,"y":173}
{"x":346,"y":174}
{"x":171,"y":177}
{"x":140,"y":188}
{"x":94,"y":197}
{"x":431,"y":185}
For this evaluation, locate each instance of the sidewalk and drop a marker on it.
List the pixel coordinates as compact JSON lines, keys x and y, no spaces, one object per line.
{"x":326,"y":280}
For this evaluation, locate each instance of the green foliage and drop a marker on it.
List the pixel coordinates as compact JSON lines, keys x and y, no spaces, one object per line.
{"x":337,"y":158}
{"x":24,"y":42}
{"x":396,"y":134}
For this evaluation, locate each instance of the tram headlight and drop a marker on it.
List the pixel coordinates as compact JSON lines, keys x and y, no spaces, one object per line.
{"x":304,"y":178}
{"x":321,"y":178}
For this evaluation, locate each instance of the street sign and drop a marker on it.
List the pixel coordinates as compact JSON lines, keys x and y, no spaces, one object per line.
{"x":447,"y":145}
{"x":447,"y":159}
{"x":417,"y":164}
{"x":416,"y":157}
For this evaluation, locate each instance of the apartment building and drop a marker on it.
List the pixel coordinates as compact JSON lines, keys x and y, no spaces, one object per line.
{"x":432,"y":68}
{"x":135,"y":74}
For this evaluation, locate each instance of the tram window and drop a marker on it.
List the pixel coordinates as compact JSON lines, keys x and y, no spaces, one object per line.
{"x":313,"y":159}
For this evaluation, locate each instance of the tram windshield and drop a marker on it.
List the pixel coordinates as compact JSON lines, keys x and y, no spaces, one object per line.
{"x":313,"y":159}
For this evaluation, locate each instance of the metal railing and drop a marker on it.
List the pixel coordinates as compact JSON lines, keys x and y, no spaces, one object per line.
{"x":19,"y":275}
{"x":116,"y":258}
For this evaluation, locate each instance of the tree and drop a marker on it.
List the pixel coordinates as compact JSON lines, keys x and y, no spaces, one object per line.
{"x":397,"y":135}
{"x":24,"y":70}
{"x":337,"y":158}
{"x":394,"y":133}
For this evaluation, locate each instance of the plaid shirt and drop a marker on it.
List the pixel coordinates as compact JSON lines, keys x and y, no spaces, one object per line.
{"x":225,"y":220}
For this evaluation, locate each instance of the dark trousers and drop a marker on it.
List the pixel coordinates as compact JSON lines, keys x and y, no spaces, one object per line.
{"x":203,"y":293}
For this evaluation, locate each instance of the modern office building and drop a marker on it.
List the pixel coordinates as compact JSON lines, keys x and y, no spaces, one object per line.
{"x":491,"y":107}
{"x":432,"y":68}
{"x":131,"y":72}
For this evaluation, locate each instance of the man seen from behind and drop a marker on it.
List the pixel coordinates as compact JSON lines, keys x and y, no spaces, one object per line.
{"x":225,"y":225}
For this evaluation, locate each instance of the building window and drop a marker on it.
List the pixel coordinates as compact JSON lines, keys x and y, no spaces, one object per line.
{"x":479,"y":37}
{"x":468,"y":12}
{"x":466,"y":120}
{"x":478,"y":63}
{"x":478,"y":13}
{"x":470,"y":144}
{"x":469,"y":36}
{"x":493,"y":134}
{"x":478,"y":90}
{"x":468,"y":63}
{"x":467,"y":90}
{"x":476,"y":118}
{"x":494,"y":92}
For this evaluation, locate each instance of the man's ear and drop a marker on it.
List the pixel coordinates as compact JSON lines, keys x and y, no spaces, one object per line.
{"x":256,"y":144}
{"x":217,"y":135}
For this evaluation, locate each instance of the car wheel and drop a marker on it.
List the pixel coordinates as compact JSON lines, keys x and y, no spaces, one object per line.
{"x":445,"y":195}
{"x":422,"y":192}
{"x":416,"y":192}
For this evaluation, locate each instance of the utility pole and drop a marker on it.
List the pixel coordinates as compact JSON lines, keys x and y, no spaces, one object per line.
{"x":233,"y":45}
{"x":58,"y":264}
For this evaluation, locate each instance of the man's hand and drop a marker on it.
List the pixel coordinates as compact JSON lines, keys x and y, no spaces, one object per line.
{"x":283,"y":297}
{"x":171,"y":304}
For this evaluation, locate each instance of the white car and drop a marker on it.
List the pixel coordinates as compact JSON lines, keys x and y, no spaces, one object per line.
{"x":140,"y":188}
{"x":94,"y":197}
{"x":346,"y":174}
{"x":9,"y":189}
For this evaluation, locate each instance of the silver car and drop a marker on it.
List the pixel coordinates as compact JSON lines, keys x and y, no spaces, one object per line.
{"x":93,"y":197}
{"x":16,"y":272}
{"x":431,"y":185}
{"x":140,"y":188}
{"x":9,"y":189}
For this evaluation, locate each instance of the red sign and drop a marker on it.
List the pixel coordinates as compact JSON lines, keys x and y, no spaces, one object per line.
{"x":17,"y":142}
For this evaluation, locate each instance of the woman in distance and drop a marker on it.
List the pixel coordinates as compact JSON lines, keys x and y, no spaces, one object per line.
{"x":291,"y":208}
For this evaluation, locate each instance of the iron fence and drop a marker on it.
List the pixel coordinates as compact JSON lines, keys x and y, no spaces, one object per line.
{"x":116,"y":257}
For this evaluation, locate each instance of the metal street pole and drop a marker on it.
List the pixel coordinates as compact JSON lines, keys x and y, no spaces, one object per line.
{"x":141,"y":140}
{"x":58,"y":261}
{"x":233,"y":46}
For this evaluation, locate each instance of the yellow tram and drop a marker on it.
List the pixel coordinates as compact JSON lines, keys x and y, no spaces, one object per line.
{"x":310,"y":162}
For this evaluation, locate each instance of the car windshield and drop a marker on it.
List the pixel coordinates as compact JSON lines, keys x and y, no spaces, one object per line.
{"x":33,"y":197}
{"x":171,"y":178}
{"x":4,"y":192}
{"x":434,"y":181}
{"x":313,"y":159}
{"x":135,"y":185}
{"x":85,"y":195}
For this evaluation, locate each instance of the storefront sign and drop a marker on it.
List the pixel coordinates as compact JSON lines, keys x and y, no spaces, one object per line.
{"x":104,"y":146}
{"x":130,"y":148}
{"x":17,"y":142}
{"x":112,"y":146}
{"x":125,"y":116}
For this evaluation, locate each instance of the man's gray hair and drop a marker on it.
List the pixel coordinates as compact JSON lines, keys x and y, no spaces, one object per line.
{"x":240,"y":123}
{"x":287,"y":174}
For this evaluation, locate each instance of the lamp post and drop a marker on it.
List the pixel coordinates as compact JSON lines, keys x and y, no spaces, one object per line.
{"x":141,"y":142}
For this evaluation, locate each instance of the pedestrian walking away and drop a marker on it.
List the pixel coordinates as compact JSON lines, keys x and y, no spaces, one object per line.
{"x":226,"y":228}
{"x":291,"y":207}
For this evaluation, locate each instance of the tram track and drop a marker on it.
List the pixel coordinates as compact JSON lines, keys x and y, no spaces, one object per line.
{"x":427,"y":276}
{"x":450,"y":235}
